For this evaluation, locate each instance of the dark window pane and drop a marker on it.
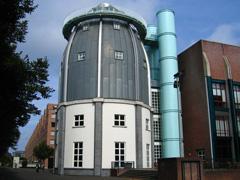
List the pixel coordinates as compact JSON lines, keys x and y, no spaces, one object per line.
{"x":80,"y":157}
{"x":122,"y":123}
{"x":76,"y":117}
{"x":122,"y":117}
{"x":81,"y":123}
{"x":80,"y":151}
{"x":116,"y":158}
{"x":116,"y":123}
{"x":79,"y":164}
{"x":75,"y":164}
{"x":53,"y":124}
{"x":80,"y":145}
{"x":122,"y":151}
{"x":116,"y":145}
{"x":75,"y":151}
{"x":81,"y":117}
{"x":116,"y":116}
{"x":75,"y":145}
{"x":122,"y":158}
{"x":77,"y":123}
{"x":122,"y":145}
{"x":116,"y":151}
{"x":75,"y":157}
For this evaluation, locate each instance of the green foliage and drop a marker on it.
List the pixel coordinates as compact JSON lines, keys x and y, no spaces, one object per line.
{"x":6,"y":160}
{"x":22,"y":80}
{"x":42,"y":151}
{"x":24,"y":162}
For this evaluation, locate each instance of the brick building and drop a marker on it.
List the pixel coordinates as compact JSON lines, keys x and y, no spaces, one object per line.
{"x":44,"y":131}
{"x":210,"y":90}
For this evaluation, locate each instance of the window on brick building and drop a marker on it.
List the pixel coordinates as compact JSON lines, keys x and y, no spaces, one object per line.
{"x":222,"y":126}
{"x":53,"y":124}
{"x":238,"y":123}
{"x":219,"y":95}
{"x":201,"y":153}
{"x":236,"y":90}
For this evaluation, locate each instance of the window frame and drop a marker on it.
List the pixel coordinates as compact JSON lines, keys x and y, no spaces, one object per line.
{"x":155,"y":100}
{"x":116,"y":26}
{"x":81,"y":56}
{"x":118,"y":161}
{"x":79,"y":120}
{"x":236,"y":92}
{"x":119,"y":122}
{"x":119,"y":55}
{"x":222,"y":126}
{"x":219,"y":94}
{"x":78,"y":155}
{"x":85,"y":27}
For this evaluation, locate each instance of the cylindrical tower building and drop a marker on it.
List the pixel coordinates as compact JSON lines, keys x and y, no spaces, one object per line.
{"x":169,"y":106}
{"x":104,"y":117}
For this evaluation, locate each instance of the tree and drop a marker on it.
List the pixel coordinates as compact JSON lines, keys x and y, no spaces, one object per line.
{"x":24,"y":162}
{"x":22,"y":80}
{"x":42,"y":151}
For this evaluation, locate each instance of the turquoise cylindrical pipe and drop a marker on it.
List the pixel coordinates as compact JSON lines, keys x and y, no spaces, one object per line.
{"x":170,"y":119}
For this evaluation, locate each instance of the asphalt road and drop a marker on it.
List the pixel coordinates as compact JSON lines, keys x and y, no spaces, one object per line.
{"x":31,"y":174}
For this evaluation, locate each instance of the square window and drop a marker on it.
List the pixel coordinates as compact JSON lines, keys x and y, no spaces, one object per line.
{"x":75,"y":164}
{"x":81,"y":56}
{"x":116,"y":26}
{"x":85,"y":28}
{"x":119,"y":120}
{"x":81,"y":123}
{"x":118,"y":55}
{"x":77,"y":123}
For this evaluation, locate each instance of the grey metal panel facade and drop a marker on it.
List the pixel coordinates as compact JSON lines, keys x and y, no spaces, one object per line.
{"x":82,"y":75}
{"x":61,"y":78}
{"x":118,"y":77}
{"x":143,"y":73}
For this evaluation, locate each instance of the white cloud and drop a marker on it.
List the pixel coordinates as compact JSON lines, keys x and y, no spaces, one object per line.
{"x":226,"y":33}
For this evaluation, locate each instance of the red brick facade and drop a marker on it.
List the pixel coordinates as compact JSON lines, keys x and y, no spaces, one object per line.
{"x":204,"y":59}
{"x":44,"y":131}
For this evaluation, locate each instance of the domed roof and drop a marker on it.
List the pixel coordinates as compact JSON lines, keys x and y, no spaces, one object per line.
{"x":100,"y":11}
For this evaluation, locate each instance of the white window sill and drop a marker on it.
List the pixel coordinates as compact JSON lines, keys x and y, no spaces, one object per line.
{"x":78,"y":127}
{"x":119,"y":126}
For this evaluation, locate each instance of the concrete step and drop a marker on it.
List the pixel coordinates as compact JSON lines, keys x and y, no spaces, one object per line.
{"x":144,"y":174}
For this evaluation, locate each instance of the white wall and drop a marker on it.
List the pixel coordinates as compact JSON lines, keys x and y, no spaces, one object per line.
{"x":79,"y":134}
{"x":117,"y":134}
{"x":146,"y":134}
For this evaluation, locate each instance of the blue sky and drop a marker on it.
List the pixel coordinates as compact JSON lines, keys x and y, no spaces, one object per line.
{"x":216,"y":20}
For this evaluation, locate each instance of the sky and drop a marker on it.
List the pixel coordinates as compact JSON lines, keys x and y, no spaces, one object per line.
{"x":215,"y":20}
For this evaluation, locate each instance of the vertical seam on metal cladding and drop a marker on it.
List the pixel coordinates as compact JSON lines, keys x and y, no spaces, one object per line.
{"x":99,"y":59}
{"x":135,"y":63}
{"x":149,"y":78}
{"x":66,"y":65}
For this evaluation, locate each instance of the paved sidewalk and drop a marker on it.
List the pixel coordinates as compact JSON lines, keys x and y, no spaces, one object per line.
{"x":31,"y":174}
